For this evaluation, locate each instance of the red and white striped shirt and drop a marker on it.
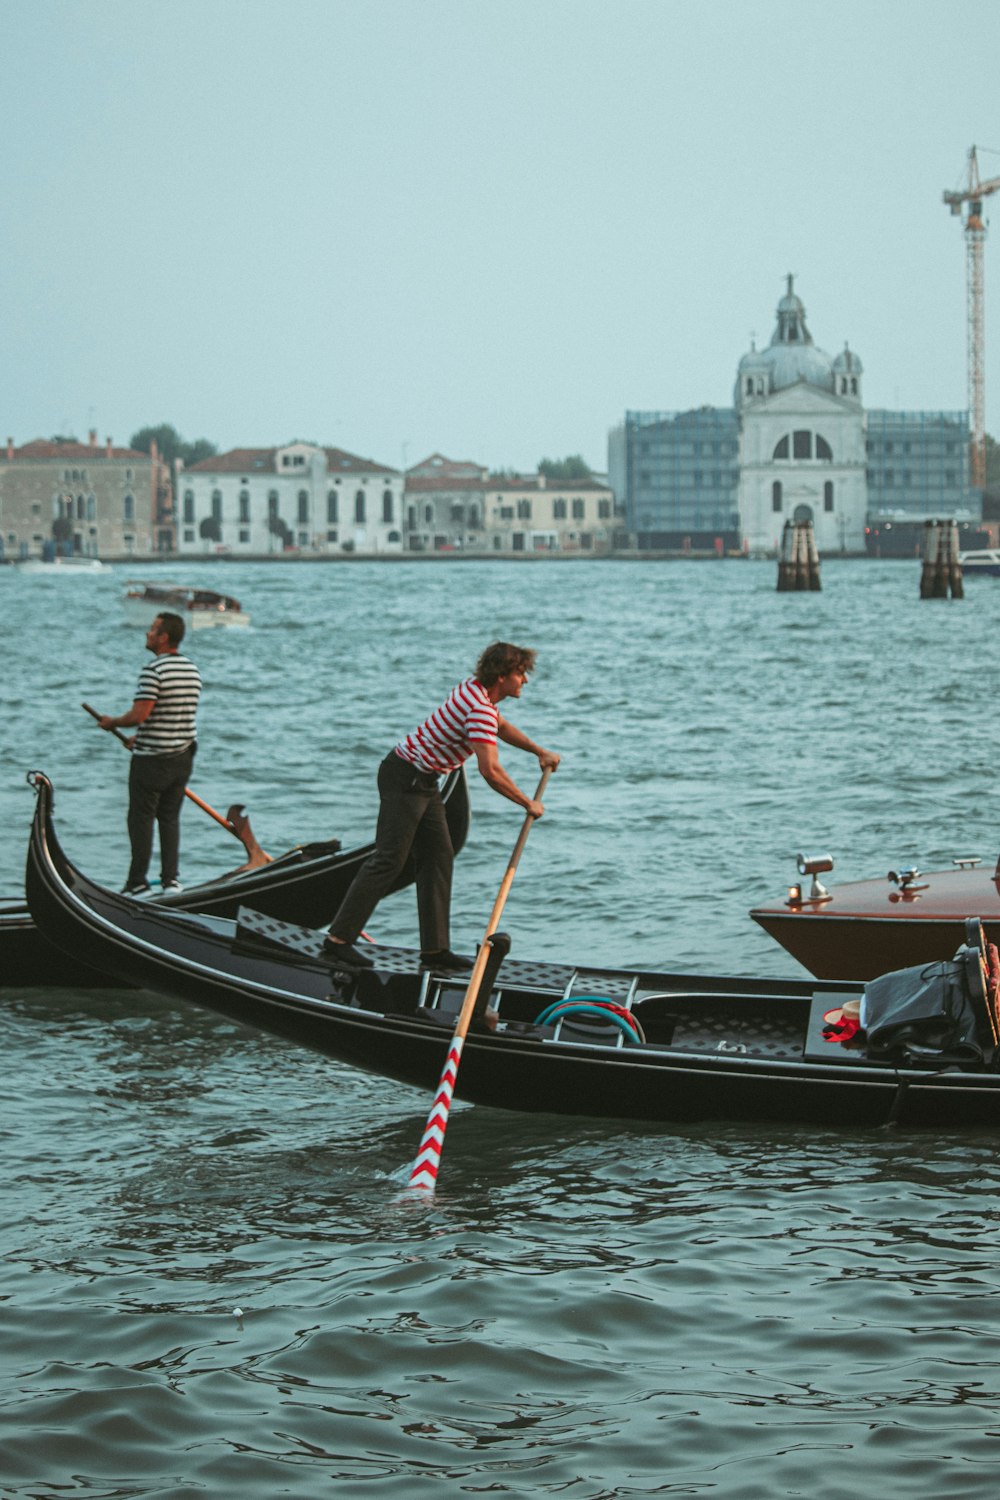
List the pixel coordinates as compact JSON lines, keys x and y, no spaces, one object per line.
{"x":445,"y":739}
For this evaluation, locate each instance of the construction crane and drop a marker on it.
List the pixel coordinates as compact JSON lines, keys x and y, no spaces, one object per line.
{"x":975,"y":237}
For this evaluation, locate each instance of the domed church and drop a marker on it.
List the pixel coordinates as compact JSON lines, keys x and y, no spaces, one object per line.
{"x":801,"y":438}
{"x":797,"y":444}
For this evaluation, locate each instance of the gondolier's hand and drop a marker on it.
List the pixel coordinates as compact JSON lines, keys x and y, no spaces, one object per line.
{"x":548,"y":760}
{"x":534,"y":809}
{"x":107,"y":722}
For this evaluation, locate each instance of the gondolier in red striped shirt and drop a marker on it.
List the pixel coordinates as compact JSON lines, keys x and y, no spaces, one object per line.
{"x":411,"y":814}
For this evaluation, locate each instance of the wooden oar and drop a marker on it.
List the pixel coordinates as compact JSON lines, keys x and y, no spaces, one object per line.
{"x":236,"y":822}
{"x":425,"y":1169}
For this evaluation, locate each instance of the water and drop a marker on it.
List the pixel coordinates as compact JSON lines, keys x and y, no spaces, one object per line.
{"x":590,"y":1310}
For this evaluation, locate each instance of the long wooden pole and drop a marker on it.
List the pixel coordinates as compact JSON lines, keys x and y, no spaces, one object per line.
{"x":238,"y":824}
{"x":423,"y":1176}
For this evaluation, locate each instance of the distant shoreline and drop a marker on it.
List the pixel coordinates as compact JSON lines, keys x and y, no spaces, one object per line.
{"x":183,"y":559}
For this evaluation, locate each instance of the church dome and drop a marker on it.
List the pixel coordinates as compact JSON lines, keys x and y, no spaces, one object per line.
{"x":791,"y":357}
{"x":847,"y":363}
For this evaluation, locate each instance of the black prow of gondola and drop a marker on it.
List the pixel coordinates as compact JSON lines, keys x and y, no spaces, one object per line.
{"x":304,"y":884}
{"x":706,"y":1046}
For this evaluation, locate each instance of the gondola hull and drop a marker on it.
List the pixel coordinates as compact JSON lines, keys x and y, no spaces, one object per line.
{"x":304,"y":885}
{"x":710,"y":1048}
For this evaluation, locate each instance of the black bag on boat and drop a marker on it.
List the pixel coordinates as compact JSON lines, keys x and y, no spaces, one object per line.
{"x":922,"y":1015}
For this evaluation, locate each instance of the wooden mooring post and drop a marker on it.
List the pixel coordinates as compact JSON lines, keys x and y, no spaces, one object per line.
{"x":942,"y":571}
{"x":798,"y":560}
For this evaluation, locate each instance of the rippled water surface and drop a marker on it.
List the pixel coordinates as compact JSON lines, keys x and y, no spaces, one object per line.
{"x":210,"y":1285}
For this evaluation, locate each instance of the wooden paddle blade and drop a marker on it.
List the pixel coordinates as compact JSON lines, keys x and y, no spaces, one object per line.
{"x":238,"y":821}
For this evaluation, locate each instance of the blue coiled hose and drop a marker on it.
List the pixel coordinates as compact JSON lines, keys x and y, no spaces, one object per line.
{"x":592,"y":1005}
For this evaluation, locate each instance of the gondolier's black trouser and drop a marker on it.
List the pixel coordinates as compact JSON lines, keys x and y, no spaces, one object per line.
{"x":411,"y":820}
{"x":155,"y":793}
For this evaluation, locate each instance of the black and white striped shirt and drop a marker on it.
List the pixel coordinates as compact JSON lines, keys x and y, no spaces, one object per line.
{"x":174,"y":685}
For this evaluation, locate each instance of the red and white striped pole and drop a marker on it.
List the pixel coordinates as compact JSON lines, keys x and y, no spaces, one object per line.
{"x":423,"y":1176}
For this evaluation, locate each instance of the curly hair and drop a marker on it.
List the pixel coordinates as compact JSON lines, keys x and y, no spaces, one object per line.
{"x":500,"y":658}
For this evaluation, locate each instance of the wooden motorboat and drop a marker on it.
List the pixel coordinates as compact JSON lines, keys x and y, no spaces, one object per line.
{"x":868,"y":927}
{"x":200,"y":609}
{"x":568,"y":1039}
{"x":305,"y":884}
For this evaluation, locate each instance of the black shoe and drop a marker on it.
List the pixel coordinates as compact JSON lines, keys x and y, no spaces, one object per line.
{"x":345,"y":956}
{"x":142,"y":888}
{"x":444,"y":961}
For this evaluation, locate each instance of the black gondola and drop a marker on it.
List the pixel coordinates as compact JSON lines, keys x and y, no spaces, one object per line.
{"x":303,"y":885}
{"x":674,"y":1048}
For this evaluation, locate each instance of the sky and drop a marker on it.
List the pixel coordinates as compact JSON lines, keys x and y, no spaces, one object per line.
{"x":485,"y":228}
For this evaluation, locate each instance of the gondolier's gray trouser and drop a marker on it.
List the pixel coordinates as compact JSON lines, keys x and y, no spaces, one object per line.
{"x":411,"y":820}
{"x":156,"y":794}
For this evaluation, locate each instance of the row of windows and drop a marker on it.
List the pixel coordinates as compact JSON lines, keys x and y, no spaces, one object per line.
{"x":888,"y":479}
{"x":561,"y":509}
{"x":84,"y":507}
{"x":693,"y":450}
{"x":925,"y":448}
{"x":79,"y":476}
{"x":691,"y":479}
{"x":302,"y":506}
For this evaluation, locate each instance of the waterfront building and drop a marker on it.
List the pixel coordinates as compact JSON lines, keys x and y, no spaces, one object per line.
{"x":298,"y":498}
{"x":462,"y":507}
{"x":82,"y":499}
{"x":444,"y":505}
{"x":796,"y":445}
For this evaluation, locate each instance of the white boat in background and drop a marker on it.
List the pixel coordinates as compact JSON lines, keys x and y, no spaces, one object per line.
{"x":198,"y":608}
{"x":76,"y":565}
{"x":985,"y":561}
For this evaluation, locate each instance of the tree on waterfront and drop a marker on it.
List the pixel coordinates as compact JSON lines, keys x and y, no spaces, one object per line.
{"x":171,"y":445}
{"x":573,"y":467}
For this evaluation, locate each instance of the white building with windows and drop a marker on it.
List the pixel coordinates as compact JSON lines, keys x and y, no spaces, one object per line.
{"x":797,"y":444}
{"x":301,"y":499}
{"x":802,"y":439}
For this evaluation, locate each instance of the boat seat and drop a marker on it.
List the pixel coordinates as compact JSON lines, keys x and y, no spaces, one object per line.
{"x":818,"y":1047}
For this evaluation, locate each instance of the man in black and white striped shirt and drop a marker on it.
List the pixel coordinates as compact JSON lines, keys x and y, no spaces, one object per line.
{"x":163,"y":712}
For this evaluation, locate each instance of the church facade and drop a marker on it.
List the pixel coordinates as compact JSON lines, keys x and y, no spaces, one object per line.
{"x":796,"y":445}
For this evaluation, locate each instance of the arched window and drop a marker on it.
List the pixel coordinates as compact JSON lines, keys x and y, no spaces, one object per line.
{"x":331,"y":508}
{"x":303,"y":507}
{"x":244,"y":507}
{"x":749,"y":386}
{"x":802,"y":513}
{"x":359,"y":506}
{"x":272,"y":504}
{"x":854,"y":385}
{"x":776,"y":495}
{"x":91,"y":508}
{"x":559,"y":510}
{"x":217,"y":506}
{"x":129,"y":513}
{"x":828,"y":495}
{"x":428,"y":515}
{"x":823,"y":449}
{"x":387,"y":515}
{"x":189,"y":507}
{"x":393,"y":536}
{"x":81,"y":508}
{"x":802,"y":443}
{"x":781,"y":449}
